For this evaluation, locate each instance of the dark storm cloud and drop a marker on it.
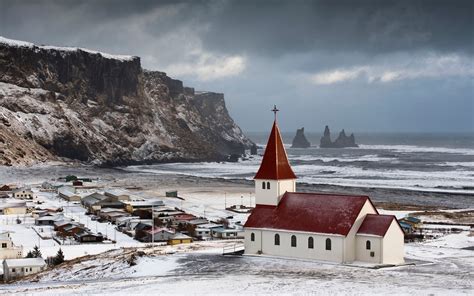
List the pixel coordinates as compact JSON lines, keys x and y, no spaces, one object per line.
{"x":368,"y":65}
{"x":368,"y":26}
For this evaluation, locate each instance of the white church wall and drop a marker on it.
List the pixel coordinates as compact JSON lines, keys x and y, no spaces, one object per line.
{"x":273,"y":195}
{"x":350,"y":242}
{"x":364,"y":254}
{"x":265,"y":241}
{"x":393,"y":245}
{"x":252,"y":247}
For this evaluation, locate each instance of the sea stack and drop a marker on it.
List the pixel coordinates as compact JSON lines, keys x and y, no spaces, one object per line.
{"x":342,"y":141}
{"x":300,"y":141}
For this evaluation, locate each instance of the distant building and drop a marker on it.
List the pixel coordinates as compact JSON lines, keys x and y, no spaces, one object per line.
{"x":118,"y":194}
{"x":68,"y":193}
{"x":180,"y":238}
{"x":97,"y":201}
{"x":228,"y":233}
{"x":6,"y":188}
{"x":88,"y":237}
{"x":22,"y":193}
{"x":131,"y":206}
{"x":13,"y":208}
{"x":17,"y":268}
{"x":8,"y":250}
{"x":158,"y":235}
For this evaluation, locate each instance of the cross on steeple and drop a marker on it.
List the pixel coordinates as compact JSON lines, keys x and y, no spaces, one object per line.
{"x":275,"y":110}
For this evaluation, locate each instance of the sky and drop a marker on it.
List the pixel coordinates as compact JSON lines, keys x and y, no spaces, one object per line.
{"x":372,"y":66}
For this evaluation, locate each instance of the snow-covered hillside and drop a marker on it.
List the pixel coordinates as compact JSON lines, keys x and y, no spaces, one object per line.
{"x":105,"y":109}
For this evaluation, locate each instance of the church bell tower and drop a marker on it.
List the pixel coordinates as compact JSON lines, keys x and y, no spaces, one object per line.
{"x":275,"y":176}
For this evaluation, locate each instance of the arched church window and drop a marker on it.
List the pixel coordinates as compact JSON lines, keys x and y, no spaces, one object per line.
{"x":293,"y":240}
{"x":367,"y":245}
{"x":310,"y":243}
{"x":268,"y":185}
{"x":252,"y":237}
{"x":277,"y":239}
{"x":328,"y":244}
{"x":263,"y":185}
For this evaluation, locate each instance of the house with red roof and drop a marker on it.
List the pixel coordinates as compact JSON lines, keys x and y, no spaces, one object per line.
{"x":321,"y":226}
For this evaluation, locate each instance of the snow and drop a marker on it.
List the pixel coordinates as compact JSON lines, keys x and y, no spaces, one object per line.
{"x":18,"y":43}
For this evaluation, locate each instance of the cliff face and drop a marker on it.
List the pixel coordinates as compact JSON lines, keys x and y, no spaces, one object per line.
{"x":342,"y":140}
{"x":300,"y":141}
{"x":94,"y":107}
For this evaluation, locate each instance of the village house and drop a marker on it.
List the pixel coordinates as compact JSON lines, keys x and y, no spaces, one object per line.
{"x":13,"y":208}
{"x":17,"y":268}
{"x":6,"y":188}
{"x":68,"y":193}
{"x":226,"y":233}
{"x":331,"y":227}
{"x":96,"y":201}
{"x":48,"y":219}
{"x":159,"y":234}
{"x":85,"y":236}
{"x":132,"y":206}
{"x":180,"y":238}
{"x":4,"y":194}
{"x":117,"y":194}
{"x":8,"y":250}
{"x":22,"y":193}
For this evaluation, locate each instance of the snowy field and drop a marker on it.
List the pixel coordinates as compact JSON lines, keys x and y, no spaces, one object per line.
{"x":441,"y":269}
{"x":442,"y":266}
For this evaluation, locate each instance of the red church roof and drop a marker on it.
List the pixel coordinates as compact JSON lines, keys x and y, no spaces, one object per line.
{"x":275,"y":165}
{"x":311,"y":212}
{"x":376,"y":224}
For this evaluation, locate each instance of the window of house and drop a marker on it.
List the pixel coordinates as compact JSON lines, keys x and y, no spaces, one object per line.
{"x":372,"y":254}
{"x":310,"y":243}
{"x":263,"y":185}
{"x":277,"y":239}
{"x":293,"y":240}
{"x":367,"y":245}
{"x":328,"y":244}
{"x":31,"y":269}
{"x":13,"y":270}
{"x":252,"y":237}
{"x":268,"y":185}
{"x":4,"y":245}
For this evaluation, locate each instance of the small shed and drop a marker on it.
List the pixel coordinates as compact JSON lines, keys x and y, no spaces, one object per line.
{"x":180,"y":238}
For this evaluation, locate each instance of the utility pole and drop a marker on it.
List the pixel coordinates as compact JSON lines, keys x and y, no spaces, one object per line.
{"x":225,"y":200}
{"x":153,"y":223}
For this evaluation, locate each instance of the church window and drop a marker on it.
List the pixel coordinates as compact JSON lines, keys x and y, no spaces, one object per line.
{"x":263,"y":185}
{"x":367,"y":245}
{"x":310,"y":243}
{"x":328,"y":244}
{"x":293,"y":240}
{"x":268,"y":185}
{"x":252,"y":236}
{"x":277,"y":239}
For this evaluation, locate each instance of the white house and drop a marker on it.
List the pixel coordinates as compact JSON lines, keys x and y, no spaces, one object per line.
{"x":330,"y":227}
{"x":17,"y":207}
{"x":23,"y":193}
{"x":16,"y":268}
{"x":69,"y":193}
{"x":7,"y":249}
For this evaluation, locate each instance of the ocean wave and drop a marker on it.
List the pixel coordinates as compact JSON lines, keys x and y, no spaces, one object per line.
{"x":369,"y":158}
{"x":418,"y":149}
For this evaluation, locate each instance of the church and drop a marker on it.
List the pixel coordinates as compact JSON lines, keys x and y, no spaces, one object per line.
{"x":320,"y":226}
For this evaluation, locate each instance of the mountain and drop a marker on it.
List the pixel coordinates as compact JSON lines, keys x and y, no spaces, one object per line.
{"x":62,"y":102}
{"x":342,"y":140}
{"x":300,"y":141}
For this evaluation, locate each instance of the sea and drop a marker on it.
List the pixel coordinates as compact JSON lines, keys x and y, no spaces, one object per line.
{"x":411,"y":161}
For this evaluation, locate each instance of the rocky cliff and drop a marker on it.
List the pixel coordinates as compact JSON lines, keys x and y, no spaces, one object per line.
{"x":342,"y":140}
{"x":300,"y":141}
{"x":104,"y":109}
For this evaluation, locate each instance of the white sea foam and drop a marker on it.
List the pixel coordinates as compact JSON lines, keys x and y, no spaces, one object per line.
{"x":417,"y":149}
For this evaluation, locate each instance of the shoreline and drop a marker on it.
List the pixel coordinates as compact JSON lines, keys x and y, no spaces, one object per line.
{"x":120,"y":177}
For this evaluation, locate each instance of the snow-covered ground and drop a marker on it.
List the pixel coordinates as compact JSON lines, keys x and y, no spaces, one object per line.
{"x":439,"y":270}
{"x":443,"y":265}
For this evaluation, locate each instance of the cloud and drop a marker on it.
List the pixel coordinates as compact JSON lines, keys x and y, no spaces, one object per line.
{"x":206,"y":66}
{"x":391,"y":69}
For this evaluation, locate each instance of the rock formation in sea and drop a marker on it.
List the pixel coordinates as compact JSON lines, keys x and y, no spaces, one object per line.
{"x":300,"y":141}
{"x":342,"y":140}
{"x":105,"y":109}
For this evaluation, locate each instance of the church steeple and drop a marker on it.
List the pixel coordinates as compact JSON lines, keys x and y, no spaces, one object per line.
{"x":275,"y":165}
{"x":275,"y":176}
